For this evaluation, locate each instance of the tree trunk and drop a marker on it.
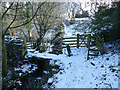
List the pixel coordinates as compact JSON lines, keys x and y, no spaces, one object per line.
{"x":119,"y":11}
{"x":4,"y":58}
{"x":0,"y":48}
{"x":25,"y":46}
{"x":28,"y":35}
{"x":119,"y":18}
{"x":0,"y":57}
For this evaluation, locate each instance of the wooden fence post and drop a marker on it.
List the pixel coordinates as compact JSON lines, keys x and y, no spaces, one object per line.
{"x":77,"y":40}
{"x":68,"y":50}
{"x":61,"y":45}
{"x":88,"y":44}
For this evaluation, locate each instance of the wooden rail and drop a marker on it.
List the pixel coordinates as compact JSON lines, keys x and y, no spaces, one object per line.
{"x":91,"y":43}
{"x":80,"y":41}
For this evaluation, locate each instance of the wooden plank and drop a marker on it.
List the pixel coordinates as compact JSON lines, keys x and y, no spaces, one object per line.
{"x":75,"y":44}
{"x":71,"y":41}
{"x":74,"y":38}
{"x":77,"y":40}
{"x":69,"y":44}
{"x":85,"y":40}
{"x":93,"y":50}
{"x":70,"y":38}
{"x":93,"y":55}
{"x":72,"y":46}
{"x":88,"y":45}
{"x":83,"y":35}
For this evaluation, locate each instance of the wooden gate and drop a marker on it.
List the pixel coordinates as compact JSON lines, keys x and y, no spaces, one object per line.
{"x":81,"y":41}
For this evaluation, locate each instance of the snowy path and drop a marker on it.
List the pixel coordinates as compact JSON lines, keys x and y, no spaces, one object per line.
{"x":99,"y":72}
{"x":78,"y":72}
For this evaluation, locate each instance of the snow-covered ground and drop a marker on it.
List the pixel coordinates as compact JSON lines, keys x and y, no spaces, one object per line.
{"x":80,"y":27}
{"x":78,"y":72}
{"x":26,"y":68}
{"x":98,"y":72}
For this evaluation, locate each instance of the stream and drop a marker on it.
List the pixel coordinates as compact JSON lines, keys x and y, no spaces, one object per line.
{"x":33,"y":73}
{"x":25,"y":73}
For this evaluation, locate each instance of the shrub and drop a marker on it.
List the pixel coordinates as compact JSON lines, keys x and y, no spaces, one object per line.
{"x":105,"y":23}
{"x":83,"y":15}
{"x":72,"y":21}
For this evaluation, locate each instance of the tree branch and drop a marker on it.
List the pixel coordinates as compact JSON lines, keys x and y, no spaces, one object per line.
{"x":29,"y":20}
{"x":7,"y":10}
{"x":35,"y":25}
{"x":12,"y":20}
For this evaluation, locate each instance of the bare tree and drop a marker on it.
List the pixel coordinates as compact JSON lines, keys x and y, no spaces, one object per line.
{"x":48,"y":16}
{"x":11,"y":20}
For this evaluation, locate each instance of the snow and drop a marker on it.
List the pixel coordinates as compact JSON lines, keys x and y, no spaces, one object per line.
{"x":26,"y":68}
{"x":54,"y":69}
{"x":19,"y":82}
{"x":80,"y":27}
{"x":50,"y":80}
{"x":80,"y":73}
{"x":38,"y":78}
{"x":77,"y":71}
{"x":41,"y":55}
{"x":46,"y":72}
{"x":20,"y":74}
